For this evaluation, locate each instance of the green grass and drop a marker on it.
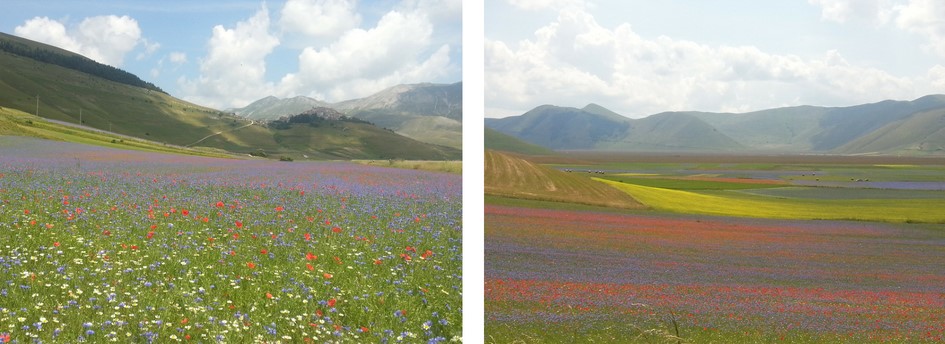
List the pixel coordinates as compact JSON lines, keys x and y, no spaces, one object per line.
{"x":509,"y":176}
{"x":501,"y":142}
{"x":745,"y":205}
{"x":17,"y":123}
{"x":454,"y":167}
{"x":685,"y":184}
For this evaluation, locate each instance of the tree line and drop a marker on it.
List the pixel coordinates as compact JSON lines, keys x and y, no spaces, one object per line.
{"x":78,"y":63}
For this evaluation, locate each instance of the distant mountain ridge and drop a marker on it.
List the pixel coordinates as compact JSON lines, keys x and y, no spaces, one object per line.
{"x":886,"y":127}
{"x":33,"y":83}
{"x":427,"y":112}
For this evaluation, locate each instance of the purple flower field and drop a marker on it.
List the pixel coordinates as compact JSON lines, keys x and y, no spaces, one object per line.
{"x":104,"y":245}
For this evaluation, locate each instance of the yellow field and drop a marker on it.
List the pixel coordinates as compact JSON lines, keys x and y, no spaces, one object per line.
{"x":911,"y":210}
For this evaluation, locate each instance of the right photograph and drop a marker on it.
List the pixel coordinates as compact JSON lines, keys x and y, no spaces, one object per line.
{"x":714,"y":172}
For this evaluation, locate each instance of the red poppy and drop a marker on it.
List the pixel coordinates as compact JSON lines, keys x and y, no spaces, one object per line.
{"x":250,"y":265}
{"x":308,"y":236}
{"x":331,"y":303}
{"x":56,"y":244}
{"x":268,"y":295}
{"x":134,"y":247}
{"x":239,"y":224}
{"x":336,"y":229}
{"x":310,"y":256}
{"x":364,"y":329}
{"x":184,"y":321}
{"x":377,"y":262}
{"x":309,"y":267}
{"x":405,"y":256}
{"x":220,"y":204}
{"x":279,"y":208}
{"x":106,"y":232}
{"x":263,"y":251}
{"x":184,"y":212}
{"x":26,"y":211}
{"x":411,"y":249}
{"x":426,"y":254}
{"x":327,"y":275}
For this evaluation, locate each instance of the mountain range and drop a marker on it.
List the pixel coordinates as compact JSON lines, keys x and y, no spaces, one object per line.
{"x":56,"y":84}
{"x":886,"y":127}
{"x":431,"y":113}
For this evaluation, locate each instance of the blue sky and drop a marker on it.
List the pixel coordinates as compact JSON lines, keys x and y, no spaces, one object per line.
{"x":229,"y":53}
{"x":643,"y":57}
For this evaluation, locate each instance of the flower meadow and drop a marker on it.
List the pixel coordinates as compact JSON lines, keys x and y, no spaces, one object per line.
{"x":100,"y":245}
{"x":571,"y":276}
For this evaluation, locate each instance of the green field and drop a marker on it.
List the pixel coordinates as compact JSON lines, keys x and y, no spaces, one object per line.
{"x":746,"y":205}
{"x":18,"y":123}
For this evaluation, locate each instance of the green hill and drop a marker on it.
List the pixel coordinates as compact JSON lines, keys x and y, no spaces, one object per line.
{"x":510,"y":176}
{"x":68,"y":94}
{"x":921,"y":133}
{"x":886,"y":127}
{"x":558,"y":127}
{"x":495,"y":140}
{"x":671,"y":132}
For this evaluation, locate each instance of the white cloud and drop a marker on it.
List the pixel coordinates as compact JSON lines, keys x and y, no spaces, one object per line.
{"x":924,"y":17}
{"x":177,"y":57}
{"x":233,"y":72}
{"x":573,"y":61}
{"x":361,"y":61}
{"x":342,"y":63}
{"x":106,"y":39}
{"x":534,"y":5}
{"x":921,"y":17}
{"x":319,"y":18}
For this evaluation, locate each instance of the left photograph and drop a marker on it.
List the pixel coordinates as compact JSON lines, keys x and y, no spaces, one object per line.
{"x":268,"y":171}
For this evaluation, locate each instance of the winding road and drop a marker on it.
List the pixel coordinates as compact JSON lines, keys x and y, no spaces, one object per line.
{"x":251,"y":122}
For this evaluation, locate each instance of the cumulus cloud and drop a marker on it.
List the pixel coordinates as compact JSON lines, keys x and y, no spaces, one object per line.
{"x":576,"y":59}
{"x":534,"y":5}
{"x":924,"y":17}
{"x":340,"y":61}
{"x":398,"y":49}
{"x":878,"y":11}
{"x":177,"y":57}
{"x":106,"y":39}
{"x":233,"y":72}
{"x":921,"y":17}
{"x":319,"y":18}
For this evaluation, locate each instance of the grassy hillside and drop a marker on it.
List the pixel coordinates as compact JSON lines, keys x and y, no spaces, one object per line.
{"x":17,"y":123}
{"x":432,"y":129}
{"x":353,"y":140}
{"x":509,"y":176}
{"x":783,"y":129}
{"x":558,"y":127}
{"x":65,"y":94}
{"x":921,"y":133}
{"x":672,"y":131}
{"x":495,"y":140}
{"x":68,"y":95}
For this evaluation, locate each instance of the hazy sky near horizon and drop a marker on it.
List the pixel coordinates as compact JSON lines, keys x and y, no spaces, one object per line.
{"x":640,"y":57}
{"x":229,"y":53}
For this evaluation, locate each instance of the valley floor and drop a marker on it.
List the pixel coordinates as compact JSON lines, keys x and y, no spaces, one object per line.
{"x":730,"y":250}
{"x":600,"y":276}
